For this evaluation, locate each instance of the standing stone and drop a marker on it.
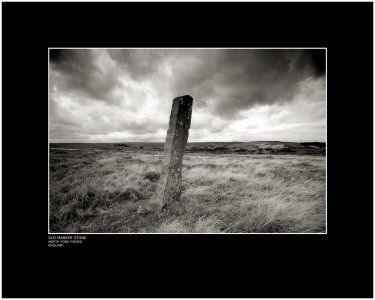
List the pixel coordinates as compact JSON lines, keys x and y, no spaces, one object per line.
{"x":169,"y":189}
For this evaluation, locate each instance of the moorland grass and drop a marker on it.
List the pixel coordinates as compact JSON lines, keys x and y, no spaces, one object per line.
{"x":102,"y":192}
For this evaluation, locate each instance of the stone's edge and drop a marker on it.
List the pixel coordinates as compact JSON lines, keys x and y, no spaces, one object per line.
{"x":185,"y":96}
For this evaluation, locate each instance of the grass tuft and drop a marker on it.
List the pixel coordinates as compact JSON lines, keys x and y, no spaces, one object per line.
{"x":174,"y":226}
{"x":152,"y":176}
{"x":208,"y":225}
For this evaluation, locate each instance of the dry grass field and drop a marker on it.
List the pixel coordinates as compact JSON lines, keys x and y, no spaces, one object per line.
{"x":113,"y":191}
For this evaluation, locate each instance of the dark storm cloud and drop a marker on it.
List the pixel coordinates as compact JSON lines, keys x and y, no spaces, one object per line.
{"x":83,"y":74}
{"x":138,"y":63}
{"x":317,"y":61}
{"x":127,"y":92}
{"x":230,"y":80}
{"x":233,"y":80}
{"x":56,"y":55}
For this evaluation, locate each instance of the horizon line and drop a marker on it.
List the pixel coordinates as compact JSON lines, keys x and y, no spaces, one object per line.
{"x":187,"y":142}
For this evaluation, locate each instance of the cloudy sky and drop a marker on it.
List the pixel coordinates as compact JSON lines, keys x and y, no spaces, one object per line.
{"x":112,"y":95}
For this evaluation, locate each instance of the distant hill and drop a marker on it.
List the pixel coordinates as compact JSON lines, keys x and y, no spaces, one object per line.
{"x":259,"y":147}
{"x":255,"y":147}
{"x":315,"y":144}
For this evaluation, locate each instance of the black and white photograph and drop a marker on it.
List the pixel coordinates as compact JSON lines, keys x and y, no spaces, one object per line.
{"x":187,"y":140}
{"x":187,"y":149}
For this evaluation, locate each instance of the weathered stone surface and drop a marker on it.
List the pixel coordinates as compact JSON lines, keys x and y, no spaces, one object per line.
{"x":169,"y":188}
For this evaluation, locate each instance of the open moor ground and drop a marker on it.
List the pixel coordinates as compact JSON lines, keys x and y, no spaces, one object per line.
{"x":113,"y":190}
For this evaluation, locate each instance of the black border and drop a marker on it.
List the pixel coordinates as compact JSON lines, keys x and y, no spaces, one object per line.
{"x":339,"y":264}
